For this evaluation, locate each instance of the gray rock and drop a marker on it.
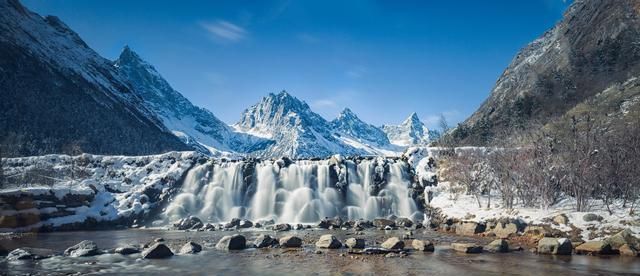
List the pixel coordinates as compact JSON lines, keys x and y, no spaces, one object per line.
{"x":234,"y":242}
{"x":594,"y":248}
{"x":188,"y":223}
{"x":626,"y":250}
{"x":500,"y":246}
{"x":83,"y":249}
{"x":555,"y":246}
{"x":190,"y":248}
{"x":470,"y":228}
{"x":393,"y":243}
{"x":504,"y":231}
{"x":328,"y":242}
{"x":28,"y":253}
{"x":282,"y":227}
{"x":235,"y":222}
{"x":382,"y":223}
{"x":591,"y":217}
{"x":245,"y":224}
{"x":290,"y":241}
{"x":470,"y":248}
{"x":263,"y":241}
{"x":355,"y":243}
{"x":421,"y":245}
{"x":127,"y":250}
{"x":404,"y":222}
{"x":561,"y":219}
{"x":623,"y":237}
{"x":157,"y":251}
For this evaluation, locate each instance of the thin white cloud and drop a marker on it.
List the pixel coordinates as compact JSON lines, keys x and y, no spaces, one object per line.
{"x":225,"y":30}
{"x":324,"y":103}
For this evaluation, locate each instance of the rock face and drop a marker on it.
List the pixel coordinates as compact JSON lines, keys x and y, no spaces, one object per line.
{"x":82,"y":249}
{"x":234,"y":242}
{"x":555,"y":246}
{"x":594,"y":248}
{"x":157,"y":251}
{"x":469,"y":228}
{"x":470,"y":248}
{"x":421,"y":245}
{"x":393,"y":243}
{"x":190,"y":248}
{"x":500,"y":246}
{"x":328,"y":242}
{"x":63,"y":93}
{"x":355,"y":243}
{"x":263,"y":241}
{"x":290,"y":241}
{"x":590,"y":50}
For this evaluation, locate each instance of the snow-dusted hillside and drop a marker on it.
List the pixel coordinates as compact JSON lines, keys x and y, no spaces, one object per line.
{"x":57,"y":192}
{"x":411,"y":132}
{"x":359,"y":134}
{"x":196,"y":126}
{"x":297,"y":131}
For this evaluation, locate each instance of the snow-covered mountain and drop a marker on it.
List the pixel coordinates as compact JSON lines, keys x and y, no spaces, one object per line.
{"x":410,"y":133}
{"x":58,"y":95}
{"x":196,"y":126}
{"x":349,"y":124}
{"x":297,"y":131}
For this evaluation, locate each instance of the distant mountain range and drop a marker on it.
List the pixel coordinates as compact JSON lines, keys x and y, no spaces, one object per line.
{"x":60,"y":96}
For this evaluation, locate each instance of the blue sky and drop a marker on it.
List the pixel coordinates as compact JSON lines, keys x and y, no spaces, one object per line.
{"x":382,"y":59}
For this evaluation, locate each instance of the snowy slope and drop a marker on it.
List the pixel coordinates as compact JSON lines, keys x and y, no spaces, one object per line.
{"x":359,"y":134}
{"x":196,"y":126}
{"x":297,"y":131}
{"x":411,"y":132}
{"x":59,"y":92}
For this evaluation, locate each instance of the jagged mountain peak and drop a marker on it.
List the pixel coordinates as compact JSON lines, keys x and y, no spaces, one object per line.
{"x":349,"y":124}
{"x":413,"y":119}
{"x":410,"y":132}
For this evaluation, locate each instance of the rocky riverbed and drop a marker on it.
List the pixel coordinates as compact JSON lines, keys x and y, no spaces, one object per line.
{"x":398,"y":251}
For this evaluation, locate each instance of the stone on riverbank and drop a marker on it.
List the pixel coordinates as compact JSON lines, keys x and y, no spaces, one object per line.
{"x":623,"y":237}
{"x":592,"y":217}
{"x":290,"y":241}
{"x":404,"y":222}
{"x":188,"y":223}
{"x":627,"y":250}
{"x":420,"y":245}
{"x":28,"y":253}
{"x":190,"y":248}
{"x":263,"y":241}
{"x":555,"y":246}
{"x":83,"y":249}
{"x":328,"y":242}
{"x":470,"y":248}
{"x":504,"y":231}
{"x":393,"y":243}
{"x":234,"y":242}
{"x":594,"y":248}
{"x":157,"y":251}
{"x":382,"y":223}
{"x":470,"y":228}
{"x":245,"y":224}
{"x":354,"y":243}
{"x":282,"y":227}
{"x":499,"y":246}
{"x":561,"y":219}
{"x":127,"y":250}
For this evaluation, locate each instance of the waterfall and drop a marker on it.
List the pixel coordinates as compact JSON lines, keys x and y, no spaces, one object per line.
{"x":303,"y":192}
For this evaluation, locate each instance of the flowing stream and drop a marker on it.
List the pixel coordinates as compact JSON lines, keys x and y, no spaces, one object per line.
{"x":300,"y":192}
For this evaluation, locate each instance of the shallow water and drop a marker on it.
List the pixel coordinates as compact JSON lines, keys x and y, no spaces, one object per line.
{"x":302,"y":261}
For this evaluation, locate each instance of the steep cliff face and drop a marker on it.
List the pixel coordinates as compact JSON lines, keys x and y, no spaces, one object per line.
{"x":58,"y":95}
{"x":595,"y":46}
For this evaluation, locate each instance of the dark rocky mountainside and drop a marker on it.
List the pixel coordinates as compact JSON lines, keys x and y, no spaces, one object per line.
{"x":596,"y":46}
{"x":59,"y":96}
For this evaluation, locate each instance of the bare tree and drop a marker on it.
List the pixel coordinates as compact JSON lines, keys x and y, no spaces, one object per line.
{"x":2,"y":164}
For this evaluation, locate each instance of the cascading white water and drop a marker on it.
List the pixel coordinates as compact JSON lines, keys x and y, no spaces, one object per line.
{"x":302,"y":192}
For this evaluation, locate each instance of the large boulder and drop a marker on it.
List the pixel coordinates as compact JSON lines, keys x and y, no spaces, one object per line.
{"x":328,"y":242}
{"x":623,"y":237}
{"x":245,"y":224}
{"x":506,"y":230}
{"x":421,"y":245}
{"x":234,"y":242}
{"x":594,"y":248}
{"x":382,"y":223}
{"x":127,"y":250}
{"x":404,"y":222}
{"x":263,"y":241}
{"x":327,"y":223}
{"x":188,"y":223}
{"x":157,"y":251}
{"x":28,"y":253}
{"x":354,"y":243}
{"x":282,"y":227}
{"x":627,"y":250}
{"x":555,"y":246}
{"x":190,"y":248}
{"x":470,"y":228}
{"x":591,"y":217}
{"x":290,"y":241}
{"x":393,"y":243}
{"x":561,"y":219}
{"x":470,"y":248}
{"x":500,"y":246}
{"x":235,"y":222}
{"x":82,"y":249}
